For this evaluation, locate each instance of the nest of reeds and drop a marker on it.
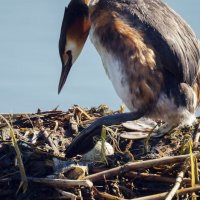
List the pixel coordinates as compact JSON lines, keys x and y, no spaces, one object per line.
{"x":138,"y":166}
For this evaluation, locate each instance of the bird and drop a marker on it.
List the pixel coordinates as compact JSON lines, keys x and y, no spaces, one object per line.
{"x":150,"y":54}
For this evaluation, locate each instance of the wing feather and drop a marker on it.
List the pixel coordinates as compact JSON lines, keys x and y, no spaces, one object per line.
{"x":176,"y":45}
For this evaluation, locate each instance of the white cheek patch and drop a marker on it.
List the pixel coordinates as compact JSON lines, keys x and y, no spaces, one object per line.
{"x":70,"y":45}
{"x":73,"y":47}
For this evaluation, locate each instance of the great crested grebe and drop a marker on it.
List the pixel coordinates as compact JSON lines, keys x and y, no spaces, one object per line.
{"x":149,"y":53}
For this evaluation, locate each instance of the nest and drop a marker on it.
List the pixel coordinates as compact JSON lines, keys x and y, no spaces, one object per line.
{"x":33,"y":163}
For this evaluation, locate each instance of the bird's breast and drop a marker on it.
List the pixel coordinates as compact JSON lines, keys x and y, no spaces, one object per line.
{"x":114,"y":70}
{"x":128,"y":62}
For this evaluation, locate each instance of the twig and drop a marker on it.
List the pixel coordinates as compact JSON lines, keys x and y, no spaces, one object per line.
{"x":56,"y":126}
{"x":138,"y":165}
{"x":15,"y":114}
{"x":67,"y":194}
{"x":35,"y":137}
{"x":105,"y":195}
{"x":49,"y":139}
{"x":9,"y":175}
{"x":62,"y":182}
{"x":126,"y":190}
{"x":28,"y":117}
{"x":179,"y":180}
{"x":83,"y":112}
{"x":155,"y":177}
{"x":162,"y":196}
{"x":42,"y":152}
{"x":5,"y":180}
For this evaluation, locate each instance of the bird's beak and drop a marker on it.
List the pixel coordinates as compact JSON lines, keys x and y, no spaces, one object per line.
{"x":65,"y":70}
{"x":74,"y":32}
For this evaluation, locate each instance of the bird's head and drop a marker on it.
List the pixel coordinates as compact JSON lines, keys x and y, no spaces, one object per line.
{"x":74,"y":32}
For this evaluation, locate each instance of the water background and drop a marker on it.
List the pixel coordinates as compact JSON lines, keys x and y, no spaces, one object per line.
{"x":30,"y":64}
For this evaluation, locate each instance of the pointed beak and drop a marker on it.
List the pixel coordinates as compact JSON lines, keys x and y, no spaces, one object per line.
{"x":65,"y":70}
{"x":74,"y":32}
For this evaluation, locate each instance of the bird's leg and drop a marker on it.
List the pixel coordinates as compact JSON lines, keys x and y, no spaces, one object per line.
{"x":84,"y":141}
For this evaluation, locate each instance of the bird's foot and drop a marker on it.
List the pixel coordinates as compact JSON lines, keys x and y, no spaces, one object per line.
{"x":163,"y":130}
{"x":84,"y":141}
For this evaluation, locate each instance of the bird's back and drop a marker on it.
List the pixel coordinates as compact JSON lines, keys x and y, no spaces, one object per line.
{"x":155,"y":49}
{"x":165,"y":30}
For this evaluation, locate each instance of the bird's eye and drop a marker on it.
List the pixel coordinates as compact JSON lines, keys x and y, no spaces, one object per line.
{"x":68,"y":52}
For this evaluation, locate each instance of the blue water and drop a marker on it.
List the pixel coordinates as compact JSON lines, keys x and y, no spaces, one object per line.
{"x":30,"y":64}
